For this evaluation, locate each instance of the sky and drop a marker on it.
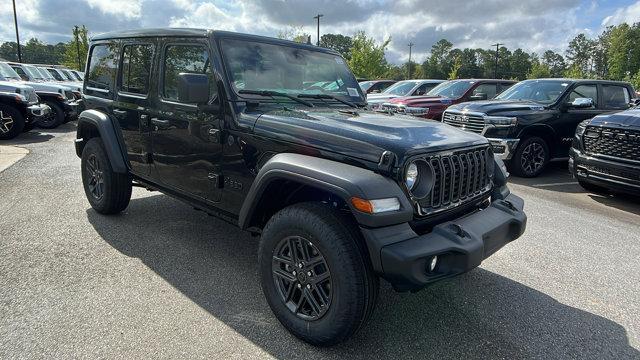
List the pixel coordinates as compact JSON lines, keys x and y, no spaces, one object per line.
{"x":534,"y":26}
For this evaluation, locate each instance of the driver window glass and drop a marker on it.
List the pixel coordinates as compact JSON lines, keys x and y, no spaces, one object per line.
{"x":136,"y":65}
{"x":615,"y":97}
{"x":585,"y":91}
{"x":422,"y":89}
{"x":185,"y":59}
{"x":490,"y":89}
{"x":21,"y":72}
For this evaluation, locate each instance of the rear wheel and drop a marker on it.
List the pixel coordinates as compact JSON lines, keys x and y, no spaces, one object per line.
{"x":53,"y":119}
{"x":315,"y":276}
{"x":11,"y":122}
{"x":108,"y":192}
{"x":531,"y":157}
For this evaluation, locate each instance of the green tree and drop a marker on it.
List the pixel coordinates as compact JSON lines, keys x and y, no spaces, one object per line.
{"x":555,"y":63}
{"x":538,"y":70}
{"x":574,"y":72}
{"x":367,"y":57}
{"x":438,"y":64}
{"x":634,"y":80}
{"x":294,"y":33}
{"x":455,"y":68}
{"x":619,"y":52}
{"x":520,"y":63}
{"x":77,"y":49}
{"x":339,"y":43}
{"x":580,"y":53}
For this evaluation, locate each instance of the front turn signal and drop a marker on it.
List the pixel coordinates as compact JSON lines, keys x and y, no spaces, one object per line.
{"x":375,"y":206}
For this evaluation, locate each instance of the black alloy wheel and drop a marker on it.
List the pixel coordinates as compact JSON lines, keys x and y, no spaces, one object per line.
{"x":302,"y":277}
{"x":531,"y":157}
{"x":11,"y":122}
{"x":95,"y":176}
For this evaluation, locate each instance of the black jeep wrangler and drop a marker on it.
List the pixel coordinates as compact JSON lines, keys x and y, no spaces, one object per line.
{"x":534,"y":121}
{"x":339,"y":195}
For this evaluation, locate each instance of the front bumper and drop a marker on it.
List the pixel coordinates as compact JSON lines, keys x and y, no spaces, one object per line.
{"x":460,"y":245}
{"x":504,"y":147}
{"x":611,"y":174}
{"x":73,"y":108}
{"x":38,"y":110}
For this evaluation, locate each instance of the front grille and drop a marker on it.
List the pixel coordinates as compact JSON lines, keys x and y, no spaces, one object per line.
{"x":614,"y":142}
{"x":464,"y":121}
{"x":459,"y":177}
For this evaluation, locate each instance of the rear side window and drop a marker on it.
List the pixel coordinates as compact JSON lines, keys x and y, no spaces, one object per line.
{"x":135,"y":68}
{"x":424,"y":88}
{"x":55,"y":74}
{"x":615,"y":97}
{"x":21,"y":72}
{"x":102,"y":67}
{"x":184,"y":59}
{"x":491,"y":90}
{"x":585,"y":91}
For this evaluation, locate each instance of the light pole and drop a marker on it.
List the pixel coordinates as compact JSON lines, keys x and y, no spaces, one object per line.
{"x":495,"y":70}
{"x":318,"y":18}
{"x":75,"y":33}
{"x":15,"y":21}
{"x":410,"y":45}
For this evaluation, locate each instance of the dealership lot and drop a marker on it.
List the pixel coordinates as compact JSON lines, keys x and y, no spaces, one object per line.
{"x":163,"y":280}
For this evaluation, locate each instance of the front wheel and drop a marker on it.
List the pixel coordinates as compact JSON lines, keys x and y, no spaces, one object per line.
{"x":531,"y":157}
{"x":108,"y":192}
{"x":315,"y":276}
{"x":53,"y":119}
{"x":11,"y":122}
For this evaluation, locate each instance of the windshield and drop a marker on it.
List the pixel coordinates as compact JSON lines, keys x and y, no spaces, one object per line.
{"x":401,"y":88}
{"x":45,"y":74}
{"x":254,"y":66}
{"x":69,"y":75}
{"x":542,"y":91}
{"x":451,"y":89}
{"x":7,"y":72}
{"x":33,"y":72}
{"x":365,"y":85}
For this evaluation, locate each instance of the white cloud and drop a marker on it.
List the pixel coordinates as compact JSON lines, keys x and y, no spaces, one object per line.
{"x":127,"y":8}
{"x":629,"y":14}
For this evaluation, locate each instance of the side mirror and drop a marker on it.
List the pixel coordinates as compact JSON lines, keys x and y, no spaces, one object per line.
{"x":581,"y":103}
{"x":478,"y":96}
{"x":193,"y":88}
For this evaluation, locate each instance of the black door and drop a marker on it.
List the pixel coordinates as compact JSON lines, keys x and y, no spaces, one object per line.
{"x":132,"y":105}
{"x":185,"y":140}
{"x":568,"y":120}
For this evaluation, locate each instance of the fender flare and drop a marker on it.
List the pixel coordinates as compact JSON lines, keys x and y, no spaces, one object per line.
{"x":343,"y":180}
{"x":109,"y":135}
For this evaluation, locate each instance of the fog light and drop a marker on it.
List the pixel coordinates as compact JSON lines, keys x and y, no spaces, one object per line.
{"x":433,"y":263}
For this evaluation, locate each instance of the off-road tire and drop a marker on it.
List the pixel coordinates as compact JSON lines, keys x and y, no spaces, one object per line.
{"x":54,"y":119}
{"x":12,"y":122}
{"x":353,"y":285}
{"x":115,"y":190}
{"x":532,"y":149}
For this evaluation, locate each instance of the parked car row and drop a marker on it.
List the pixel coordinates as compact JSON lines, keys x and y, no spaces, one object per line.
{"x":31,"y":96}
{"x":528,"y":124}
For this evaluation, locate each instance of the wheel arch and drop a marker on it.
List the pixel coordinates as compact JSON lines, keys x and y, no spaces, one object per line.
{"x":290,"y":178}
{"x":545,"y":132}
{"x":91,"y":124}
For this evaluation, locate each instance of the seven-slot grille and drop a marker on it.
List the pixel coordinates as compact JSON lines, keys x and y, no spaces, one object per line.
{"x":459,"y":177}
{"x":620,"y":143}
{"x":464,"y":121}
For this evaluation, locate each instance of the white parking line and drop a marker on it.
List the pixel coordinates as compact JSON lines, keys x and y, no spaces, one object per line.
{"x":557,"y":184}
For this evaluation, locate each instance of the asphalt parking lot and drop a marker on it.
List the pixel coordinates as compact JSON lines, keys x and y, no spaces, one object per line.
{"x":164,"y":281}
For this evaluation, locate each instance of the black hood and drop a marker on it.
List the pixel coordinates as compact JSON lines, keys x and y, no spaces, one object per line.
{"x":362,"y":134}
{"x":624,"y":119}
{"x":491,"y":107}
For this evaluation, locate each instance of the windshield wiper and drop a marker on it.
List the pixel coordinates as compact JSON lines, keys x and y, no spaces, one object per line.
{"x":328,"y":96}
{"x":275,"y":93}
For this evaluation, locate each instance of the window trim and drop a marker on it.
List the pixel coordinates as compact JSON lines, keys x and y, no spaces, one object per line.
{"x":121,"y":92}
{"x":88,"y":70}
{"x":163,"y":55}
{"x":596,"y":103}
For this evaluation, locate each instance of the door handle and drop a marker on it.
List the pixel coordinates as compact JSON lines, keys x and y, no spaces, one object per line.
{"x":160,"y":122}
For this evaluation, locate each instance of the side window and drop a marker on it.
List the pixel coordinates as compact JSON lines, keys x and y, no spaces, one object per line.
{"x":615,"y":97}
{"x":585,"y":91}
{"x":185,"y":59}
{"x":505,"y":86}
{"x":55,"y":74}
{"x":422,"y":89}
{"x":135,"y":68}
{"x":102,"y":66}
{"x":21,"y":72}
{"x":490,"y":90}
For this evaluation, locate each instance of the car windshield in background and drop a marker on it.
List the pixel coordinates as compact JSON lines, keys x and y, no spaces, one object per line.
{"x":542,"y":91}
{"x":33,"y":72}
{"x":365,"y":85}
{"x":45,"y":74}
{"x":401,"y":88}
{"x":256,"y":66}
{"x":451,"y":89}
{"x":7,"y":72}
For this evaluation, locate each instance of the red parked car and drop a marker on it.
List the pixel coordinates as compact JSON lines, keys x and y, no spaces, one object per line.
{"x":436,"y":101}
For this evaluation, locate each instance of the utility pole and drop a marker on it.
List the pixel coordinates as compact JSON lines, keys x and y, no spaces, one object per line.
{"x":410,"y":45}
{"x":75,"y":33}
{"x":15,"y":21}
{"x":318,"y":18}
{"x":495,"y":70}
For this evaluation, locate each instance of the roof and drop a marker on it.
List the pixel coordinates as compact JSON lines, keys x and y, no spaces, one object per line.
{"x":602,"y":81}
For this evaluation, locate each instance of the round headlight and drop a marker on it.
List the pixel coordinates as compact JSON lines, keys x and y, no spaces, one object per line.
{"x":411,"y":175}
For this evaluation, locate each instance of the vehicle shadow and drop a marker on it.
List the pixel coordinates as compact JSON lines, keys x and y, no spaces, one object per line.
{"x":38,"y":135}
{"x":556,"y":177}
{"x":477,"y":315}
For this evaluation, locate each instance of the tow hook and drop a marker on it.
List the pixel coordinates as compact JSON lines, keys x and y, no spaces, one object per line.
{"x":458,"y":230}
{"x":508,"y":204}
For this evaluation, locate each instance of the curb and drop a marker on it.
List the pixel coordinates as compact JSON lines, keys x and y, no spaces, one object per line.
{"x":10,"y":155}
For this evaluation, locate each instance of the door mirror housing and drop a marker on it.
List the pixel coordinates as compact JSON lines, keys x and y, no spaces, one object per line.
{"x":581,"y":103}
{"x":478,"y":96}
{"x":193,"y":88}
